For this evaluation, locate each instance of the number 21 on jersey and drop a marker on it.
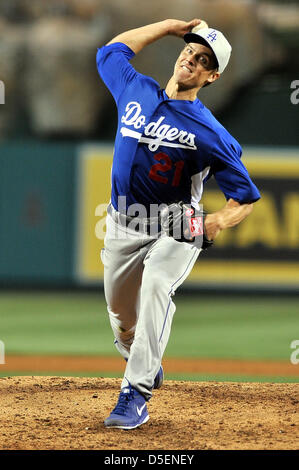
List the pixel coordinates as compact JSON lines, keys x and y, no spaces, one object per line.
{"x":165,"y":164}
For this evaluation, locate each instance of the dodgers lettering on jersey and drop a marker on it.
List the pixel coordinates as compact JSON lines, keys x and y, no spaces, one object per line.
{"x":160,"y":132}
{"x":166,"y":149}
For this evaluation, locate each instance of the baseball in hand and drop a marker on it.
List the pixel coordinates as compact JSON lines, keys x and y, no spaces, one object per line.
{"x":202,"y":25}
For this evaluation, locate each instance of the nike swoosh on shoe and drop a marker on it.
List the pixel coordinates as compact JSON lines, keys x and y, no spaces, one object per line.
{"x":139,"y":410}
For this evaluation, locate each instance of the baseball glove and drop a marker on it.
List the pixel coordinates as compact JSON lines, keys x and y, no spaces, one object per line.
{"x":185,"y":224}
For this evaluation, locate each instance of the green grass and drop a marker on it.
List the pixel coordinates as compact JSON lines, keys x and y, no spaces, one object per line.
{"x":55,"y":323}
{"x":231,"y":378}
{"x":207,"y":327}
{"x":246,"y":328}
{"x":185,"y":377}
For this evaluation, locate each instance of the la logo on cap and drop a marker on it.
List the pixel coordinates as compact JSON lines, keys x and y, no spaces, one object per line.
{"x":212,"y":36}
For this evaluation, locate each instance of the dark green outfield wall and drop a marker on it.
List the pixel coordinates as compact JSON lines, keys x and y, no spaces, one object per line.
{"x":36,"y":212}
{"x":41,"y":184}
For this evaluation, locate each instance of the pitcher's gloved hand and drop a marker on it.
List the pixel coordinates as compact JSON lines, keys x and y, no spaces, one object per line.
{"x":185,"y":224}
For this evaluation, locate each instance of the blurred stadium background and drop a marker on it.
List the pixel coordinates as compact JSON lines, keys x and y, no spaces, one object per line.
{"x":239,"y":311}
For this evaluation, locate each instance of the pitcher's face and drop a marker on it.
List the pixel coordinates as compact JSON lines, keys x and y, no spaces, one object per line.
{"x":195,"y":66}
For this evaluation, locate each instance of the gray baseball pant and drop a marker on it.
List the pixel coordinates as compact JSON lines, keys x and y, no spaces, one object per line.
{"x":141,"y":275}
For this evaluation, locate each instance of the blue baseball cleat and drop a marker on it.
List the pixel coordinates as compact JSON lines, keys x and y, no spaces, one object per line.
{"x":130,"y":411}
{"x":159,"y":378}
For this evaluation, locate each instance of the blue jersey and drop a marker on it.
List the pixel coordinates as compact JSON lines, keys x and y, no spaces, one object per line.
{"x":166,"y":149}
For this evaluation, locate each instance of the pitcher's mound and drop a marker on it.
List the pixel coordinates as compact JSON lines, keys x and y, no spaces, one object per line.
{"x":68,"y":413}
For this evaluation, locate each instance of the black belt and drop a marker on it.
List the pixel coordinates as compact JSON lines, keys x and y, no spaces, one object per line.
{"x":150,"y":226}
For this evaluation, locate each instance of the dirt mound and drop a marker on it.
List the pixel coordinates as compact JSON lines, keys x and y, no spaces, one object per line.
{"x":68,"y":413}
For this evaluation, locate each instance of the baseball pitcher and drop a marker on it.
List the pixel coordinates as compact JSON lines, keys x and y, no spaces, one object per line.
{"x":168,"y":144}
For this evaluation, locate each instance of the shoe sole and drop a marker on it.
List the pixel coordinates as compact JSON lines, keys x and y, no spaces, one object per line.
{"x":121,"y":426}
